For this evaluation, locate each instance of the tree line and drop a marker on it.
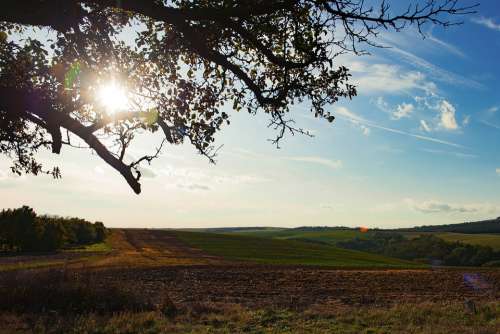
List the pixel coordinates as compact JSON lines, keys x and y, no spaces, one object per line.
{"x":425,"y":248}
{"x":22,"y":230}
{"x":485,"y":226}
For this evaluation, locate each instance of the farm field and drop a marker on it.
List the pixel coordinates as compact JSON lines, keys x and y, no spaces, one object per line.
{"x":284,"y":251}
{"x":333,"y":236}
{"x":180,"y":282}
{"x":491,"y":240}
{"x":326,"y":236}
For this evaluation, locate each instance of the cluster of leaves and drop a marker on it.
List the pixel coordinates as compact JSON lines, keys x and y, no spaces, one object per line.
{"x":23,"y":231}
{"x":429,"y":248}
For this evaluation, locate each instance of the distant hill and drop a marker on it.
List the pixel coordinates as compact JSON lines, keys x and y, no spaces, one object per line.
{"x":484,"y":226}
{"x":286,"y":252}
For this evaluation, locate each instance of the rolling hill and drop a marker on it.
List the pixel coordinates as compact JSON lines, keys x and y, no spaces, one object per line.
{"x":286,"y":252}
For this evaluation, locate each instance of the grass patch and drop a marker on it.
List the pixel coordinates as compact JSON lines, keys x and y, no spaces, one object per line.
{"x":287,"y":252}
{"x":66,"y":292}
{"x":31,"y":265}
{"x":41,"y":264}
{"x":96,"y":248}
{"x":327,"y":236}
{"x":222,"y":318}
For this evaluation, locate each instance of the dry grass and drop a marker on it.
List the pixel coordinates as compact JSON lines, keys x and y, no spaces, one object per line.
{"x":424,"y":318}
{"x":66,"y":292}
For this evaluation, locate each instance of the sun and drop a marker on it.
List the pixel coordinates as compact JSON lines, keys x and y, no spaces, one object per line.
{"x":113,"y":97}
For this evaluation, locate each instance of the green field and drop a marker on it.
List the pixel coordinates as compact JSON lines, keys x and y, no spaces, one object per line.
{"x":491,"y":240}
{"x":333,"y":236}
{"x":326,"y":236}
{"x":287,"y":252}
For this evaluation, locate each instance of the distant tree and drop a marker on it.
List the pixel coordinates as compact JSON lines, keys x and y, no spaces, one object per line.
{"x":188,"y":60}
{"x":52,"y":236}
{"x":427,"y":248}
{"x":18,"y":228}
{"x":100,"y":231}
{"x":23,"y":230}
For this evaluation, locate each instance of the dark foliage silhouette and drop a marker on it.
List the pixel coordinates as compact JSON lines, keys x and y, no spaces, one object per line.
{"x":188,"y":60}
{"x":22,"y":230}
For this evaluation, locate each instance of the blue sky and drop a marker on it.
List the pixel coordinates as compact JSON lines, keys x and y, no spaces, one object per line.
{"x":418,"y":145}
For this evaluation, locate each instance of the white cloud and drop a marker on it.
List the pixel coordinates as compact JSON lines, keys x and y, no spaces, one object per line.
{"x":432,"y":206}
{"x":433,"y":71}
{"x":366,"y":130}
{"x":466,"y":120}
{"x":194,"y":187}
{"x":343,"y":112}
{"x":384,"y":78}
{"x":411,"y":39}
{"x":349,"y":115}
{"x":449,"y":47}
{"x":355,"y":119}
{"x":497,"y":171}
{"x":403,"y":110}
{"x":486,"y":22}
{"x":424,"y":126}
{"x":447,"y":116}
{"x":492,"y":110}
{"x":455,"y":154}
{"x":491,"y":125}
{"x":196,"y":179}
{"x":334,"y":164}
{"x":240,"y":179}
{"x":382,"y":104}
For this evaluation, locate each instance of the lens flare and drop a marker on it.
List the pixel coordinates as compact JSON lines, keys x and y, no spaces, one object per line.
{"x":113,"y":97}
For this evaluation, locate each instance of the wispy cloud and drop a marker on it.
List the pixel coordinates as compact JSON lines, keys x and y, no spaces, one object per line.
{"x":449,"y":47}
{"x":434,"y":71}
{"x":447,"y":116}
{"x":433,"y":206}
{"x":350,"y":116}
{"x":490,"y":124}
{"x":450,"y":153}
{"x":193,"y":187}
{"x":497,"y":171}
{"x":486,"y":22}
{"x":385,"y":78}
{"x":197,"y":179}
{"x":439,"y":207}
{"x":403,"y":110}
{"x":333,"y":164}
{"x":354,"y":119}
{"x":412,"y":39}
{"x":492,"y":110}
{"x":346,"y":113}
{"x":424,"y":126}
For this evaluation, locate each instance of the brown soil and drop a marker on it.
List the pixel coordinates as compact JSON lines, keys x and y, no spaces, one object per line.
{"x":302,"y":287}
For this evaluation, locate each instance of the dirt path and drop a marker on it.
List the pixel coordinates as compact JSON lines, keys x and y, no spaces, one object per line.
{"x":146,"y":247}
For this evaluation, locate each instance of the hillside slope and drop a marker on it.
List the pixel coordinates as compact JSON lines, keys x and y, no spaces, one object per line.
{"x":289,"y":252}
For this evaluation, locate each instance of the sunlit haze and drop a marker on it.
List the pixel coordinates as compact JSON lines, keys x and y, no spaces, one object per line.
{"x":113,"y":97}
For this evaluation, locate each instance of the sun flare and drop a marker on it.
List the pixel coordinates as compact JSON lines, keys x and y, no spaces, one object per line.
{"x":113,"y":97}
